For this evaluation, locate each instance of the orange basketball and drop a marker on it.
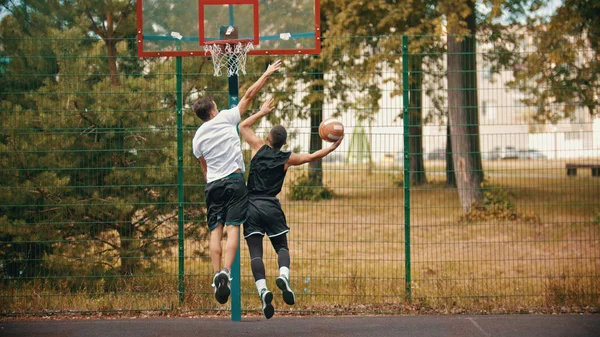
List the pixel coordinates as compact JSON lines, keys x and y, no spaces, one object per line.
{"x":331,"y":130}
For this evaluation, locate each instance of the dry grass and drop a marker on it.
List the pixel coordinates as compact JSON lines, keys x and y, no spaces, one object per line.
{"x":348,"y":253}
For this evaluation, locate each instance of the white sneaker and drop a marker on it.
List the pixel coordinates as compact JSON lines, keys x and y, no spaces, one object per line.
{"x":284,"y":284}
{"x":221,"y":285}
{"x":266,"y":297}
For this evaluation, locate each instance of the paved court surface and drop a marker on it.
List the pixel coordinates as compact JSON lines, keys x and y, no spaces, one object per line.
{"x":376,"y":326}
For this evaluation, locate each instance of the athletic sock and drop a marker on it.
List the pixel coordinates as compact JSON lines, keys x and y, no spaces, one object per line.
{"x":285,"y":271}
{"x":260,"y":285}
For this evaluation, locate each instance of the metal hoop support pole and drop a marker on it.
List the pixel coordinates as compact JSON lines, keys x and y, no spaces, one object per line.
{"x":236,"y":284}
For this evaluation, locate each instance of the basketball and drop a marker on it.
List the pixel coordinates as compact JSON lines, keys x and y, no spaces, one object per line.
{"x":331,"y":130}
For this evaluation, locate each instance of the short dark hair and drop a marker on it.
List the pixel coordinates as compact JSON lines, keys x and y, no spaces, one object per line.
{"x":203,"y":107}
{"x":278,"y":136}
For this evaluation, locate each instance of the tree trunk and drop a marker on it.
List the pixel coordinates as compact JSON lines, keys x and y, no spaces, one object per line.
{"x":462,"y":111}
{"x":415,"y":102}
{"x":315,"y":172}
{"x":129,"y":250}
{"x":450,"y":176}
{"x":111,"y":48}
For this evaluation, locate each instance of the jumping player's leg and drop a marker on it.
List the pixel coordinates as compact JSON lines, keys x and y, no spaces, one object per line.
{"x":283,"y":259}
{"x":235,"y":203}
{"x":256,"y":254}
{"x":231,"y":245}
{"x":258,"y":271}
{"x":216,"y":235}
{"x":216,"y":207}
{"x":221,"y":277}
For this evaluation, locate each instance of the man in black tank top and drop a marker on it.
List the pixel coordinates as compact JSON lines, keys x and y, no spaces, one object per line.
{"x":267,"y":172}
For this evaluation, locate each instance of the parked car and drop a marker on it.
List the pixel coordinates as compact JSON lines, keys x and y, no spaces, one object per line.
{"x":437,"y":154}
{"x":507,"y":152}
{"x":531,"y":154}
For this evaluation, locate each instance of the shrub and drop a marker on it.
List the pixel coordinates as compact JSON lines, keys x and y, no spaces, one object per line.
{"x":304,"y":189}
{"x":497,"y":204}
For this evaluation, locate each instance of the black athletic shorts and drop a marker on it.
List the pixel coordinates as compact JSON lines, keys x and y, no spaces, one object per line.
{"x":226,"y":201}
{"x":265,"y":216}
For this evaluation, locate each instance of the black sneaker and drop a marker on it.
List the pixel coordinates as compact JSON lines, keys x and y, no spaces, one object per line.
{"x":221,"y":284}
{"x":266,"y":297}
{"x":284,"y":284}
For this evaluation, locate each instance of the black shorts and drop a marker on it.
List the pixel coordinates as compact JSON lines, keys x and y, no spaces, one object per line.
{"x":226,"y":201}
{"x":265,"y":216}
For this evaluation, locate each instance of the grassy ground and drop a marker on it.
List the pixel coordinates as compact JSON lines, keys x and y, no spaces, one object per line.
{"x":348,"y":253}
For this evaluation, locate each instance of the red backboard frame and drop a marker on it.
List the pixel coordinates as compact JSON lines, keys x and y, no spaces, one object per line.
{"x":199,"y":52}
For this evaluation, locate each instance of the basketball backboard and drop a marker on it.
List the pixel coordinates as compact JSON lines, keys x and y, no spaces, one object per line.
{"x":183,"y":27}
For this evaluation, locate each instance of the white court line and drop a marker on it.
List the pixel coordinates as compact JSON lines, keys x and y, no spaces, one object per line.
{"x":479,"y":327}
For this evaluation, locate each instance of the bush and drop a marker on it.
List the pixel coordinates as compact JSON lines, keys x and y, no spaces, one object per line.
{"x":304,"y":189}
{"x":596,"y":218}
{"x":398,"y":180}
{"x":497,"y":204}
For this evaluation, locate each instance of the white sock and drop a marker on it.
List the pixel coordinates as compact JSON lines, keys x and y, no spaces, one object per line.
{"x":261,"y":284}
{"x":285,"y":271}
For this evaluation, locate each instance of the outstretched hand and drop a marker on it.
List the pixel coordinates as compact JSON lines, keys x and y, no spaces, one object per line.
{"x":273,"y":67}
{"x":266,"y":107}
{"x":337,"y":143}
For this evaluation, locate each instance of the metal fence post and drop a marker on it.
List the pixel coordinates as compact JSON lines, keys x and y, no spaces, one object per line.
{"x":405,"y":123}
{"x":236,"y":274}
{"x":180,"y":200}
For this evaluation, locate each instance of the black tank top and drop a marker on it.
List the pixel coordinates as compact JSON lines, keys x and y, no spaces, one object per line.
{"x":267,"y":171}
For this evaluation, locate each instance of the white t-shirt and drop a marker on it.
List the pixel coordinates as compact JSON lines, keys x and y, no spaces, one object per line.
{"x":219,"y":143}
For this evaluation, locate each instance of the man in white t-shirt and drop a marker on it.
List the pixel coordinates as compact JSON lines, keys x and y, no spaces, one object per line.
{"x":217,"y":146}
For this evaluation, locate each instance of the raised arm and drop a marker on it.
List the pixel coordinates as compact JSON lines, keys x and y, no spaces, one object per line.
{"x":257,"y":86}
{"x":303,"y":158}
{"x":245,"y":127}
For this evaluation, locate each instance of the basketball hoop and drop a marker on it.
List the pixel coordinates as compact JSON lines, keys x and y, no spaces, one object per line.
{"x":230,"y":53}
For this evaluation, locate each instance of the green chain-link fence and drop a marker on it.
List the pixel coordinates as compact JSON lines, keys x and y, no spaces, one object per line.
{"x":102,"y":204}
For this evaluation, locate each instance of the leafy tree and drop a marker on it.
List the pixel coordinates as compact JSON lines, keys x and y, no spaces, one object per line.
{"x":375,"y":28}
{"x":92,"y":162}
{"x":462,"y":100}
{"x":111,"y":20}
{"x":304,"y":73}
{"x":22,"y":69}
{"x":563,"y":74}
{"x":421,"y":21}
{"x":24,"y":191}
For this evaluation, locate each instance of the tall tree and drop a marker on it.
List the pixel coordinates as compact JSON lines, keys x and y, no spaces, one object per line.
{"x":462,"y":101}
{"x":371,"y":27}
{"x":94,"y":164}
{"x":558,"y":70}
{"x":111,"y":20}
{"x":305,"y":74}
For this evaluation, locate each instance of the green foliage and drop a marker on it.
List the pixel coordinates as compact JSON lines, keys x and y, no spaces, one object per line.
{"x":89,"y":166}
{"x":596,"y":217}
{"x":304,"y":188}
{"x":552,"y":75}
{"x":398,"y":180}
{"x":497,"y":204}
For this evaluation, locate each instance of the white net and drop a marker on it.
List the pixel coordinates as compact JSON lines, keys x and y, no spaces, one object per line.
{"x":230,"y":55}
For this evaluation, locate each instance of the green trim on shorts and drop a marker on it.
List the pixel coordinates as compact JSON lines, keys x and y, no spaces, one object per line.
{"x":211,"y":228}
{"x":234,"y":223}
